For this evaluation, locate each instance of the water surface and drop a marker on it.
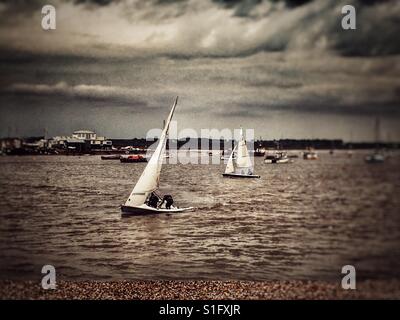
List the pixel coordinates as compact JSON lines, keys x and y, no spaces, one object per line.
{"x":303,"y":220}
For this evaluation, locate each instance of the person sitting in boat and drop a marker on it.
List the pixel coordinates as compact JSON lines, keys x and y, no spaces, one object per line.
{"x":153,"y":200}
{"x":168,"y":201}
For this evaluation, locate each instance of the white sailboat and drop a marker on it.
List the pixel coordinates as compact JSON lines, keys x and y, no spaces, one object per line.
{"x":138,"y":202}
{"x":241,"y":166}
{"x":377,"y":156}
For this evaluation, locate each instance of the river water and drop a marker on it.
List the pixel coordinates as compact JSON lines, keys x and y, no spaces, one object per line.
{"x":303,"y":220}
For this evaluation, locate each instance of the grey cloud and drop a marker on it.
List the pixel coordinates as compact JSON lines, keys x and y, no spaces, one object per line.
{"x":116,"y":95}
{"x":97,"y":2}
{"x":189,"y":29}
{"x":378,"y":26}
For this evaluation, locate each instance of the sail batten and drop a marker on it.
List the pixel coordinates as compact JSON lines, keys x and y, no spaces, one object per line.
{"x":150,"y":178}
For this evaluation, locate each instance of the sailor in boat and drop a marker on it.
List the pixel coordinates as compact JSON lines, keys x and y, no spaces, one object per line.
{"x":168,"y":201}
{"x":153,"y":200}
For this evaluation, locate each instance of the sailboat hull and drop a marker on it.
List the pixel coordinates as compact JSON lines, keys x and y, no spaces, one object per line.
{"x":375,"y":158}
{"x":270,"y":161}
{"x":146,"y":210}
{"x":234,"y":175}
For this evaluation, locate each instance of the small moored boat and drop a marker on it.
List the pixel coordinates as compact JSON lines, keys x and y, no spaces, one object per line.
{"x":278,"y":157}
{"x":376,"y":157}
{"x":111,"y":157}
{"x":132,"y":158}
{"x":310,"y":155}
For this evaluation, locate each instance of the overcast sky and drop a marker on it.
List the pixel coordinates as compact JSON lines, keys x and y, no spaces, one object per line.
{"x":283,"y":68}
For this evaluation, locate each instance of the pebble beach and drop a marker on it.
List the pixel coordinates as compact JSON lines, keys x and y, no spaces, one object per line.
{"x":199,"y":290}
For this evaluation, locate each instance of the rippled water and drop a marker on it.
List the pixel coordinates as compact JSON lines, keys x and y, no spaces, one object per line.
{"x":302,"y":220}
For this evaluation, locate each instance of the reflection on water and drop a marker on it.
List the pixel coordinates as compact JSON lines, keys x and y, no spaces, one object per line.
{"x":302,"y":220}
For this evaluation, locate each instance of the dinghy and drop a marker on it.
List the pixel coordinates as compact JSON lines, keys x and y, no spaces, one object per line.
{"x":376,"y":157}
{"x":139,"y":201}
{"x":111,"y":157}
{"x":310,"y":154}
{"x":278,"y":157}
{"x":241,"y":166}
{"x":134,"y":158}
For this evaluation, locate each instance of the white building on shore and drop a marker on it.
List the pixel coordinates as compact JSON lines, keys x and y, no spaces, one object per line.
{"x":84,"y":139}
{"x":94,"y":140}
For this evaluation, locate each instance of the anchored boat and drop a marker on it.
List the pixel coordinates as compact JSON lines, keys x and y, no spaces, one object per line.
{"x":144,"y":198}
{"x":310,"y":154}
{"x":111,"y":157}
{"x":133,"y":158}
{"x":241,"y":167}
{"x":278,"y":157}
{"x":376,"y":157}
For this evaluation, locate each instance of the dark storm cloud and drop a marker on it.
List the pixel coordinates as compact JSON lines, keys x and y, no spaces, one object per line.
{"x":250,"y":26}
{"x":30,"y":5}
{"x":241,"y":8}
{"x":98,"y":2}
{"x":27,"y":5}
{"x":377,"y":30}
{"x":227,"y":59}
{"x":10,"y":10}
{"x":378,"y":27}
{"x":82,"y":92}
{"x":314,"y":105}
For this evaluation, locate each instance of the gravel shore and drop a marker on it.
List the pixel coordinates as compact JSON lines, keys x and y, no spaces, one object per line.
{"x":212,"y":290}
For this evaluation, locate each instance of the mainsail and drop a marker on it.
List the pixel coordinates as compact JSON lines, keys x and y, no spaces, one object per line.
{"x":243,"y":162}
{"x":150,"y":178}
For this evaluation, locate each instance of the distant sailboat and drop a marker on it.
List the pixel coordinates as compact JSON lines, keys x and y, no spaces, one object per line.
{"x":241,"y":167}
{"x":350,"y":146}
{"x":377,"y":156}
{"x":141,"y":200}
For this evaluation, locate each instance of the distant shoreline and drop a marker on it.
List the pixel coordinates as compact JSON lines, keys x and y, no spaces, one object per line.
{"x":199,"y":290}
{"x":215,"y":152}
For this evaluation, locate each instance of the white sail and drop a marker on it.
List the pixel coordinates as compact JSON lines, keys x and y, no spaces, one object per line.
{"x":243,"y":161}
{"x":242,"y":165}
{"x":149,"y":180}
{"x":230,"y":167}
